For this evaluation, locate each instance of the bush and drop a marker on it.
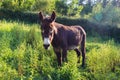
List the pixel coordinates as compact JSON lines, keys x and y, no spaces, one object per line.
{"x":68,"y":72}
{"x":104,"y":60}
{"x":19,"y":16}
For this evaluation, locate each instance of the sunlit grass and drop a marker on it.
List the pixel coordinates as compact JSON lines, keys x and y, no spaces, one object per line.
{"x":8,"y":25}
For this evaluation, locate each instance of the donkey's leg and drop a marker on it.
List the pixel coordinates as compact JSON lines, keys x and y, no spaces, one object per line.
{"x":64,"y":55}
{"x":78,"y":54}
{"x":59,"y":56}
{"x":83,"y":57}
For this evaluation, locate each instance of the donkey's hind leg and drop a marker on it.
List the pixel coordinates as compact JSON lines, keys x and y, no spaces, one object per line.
{"x":78,"y":54}
{"x":64,"y":55}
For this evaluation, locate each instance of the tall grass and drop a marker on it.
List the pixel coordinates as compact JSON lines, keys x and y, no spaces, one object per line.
{"x":22,"y":57}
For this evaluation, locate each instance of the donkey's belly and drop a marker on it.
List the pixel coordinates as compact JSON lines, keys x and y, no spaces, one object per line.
{"x":73,"y":41}
{"x":72,"y":47}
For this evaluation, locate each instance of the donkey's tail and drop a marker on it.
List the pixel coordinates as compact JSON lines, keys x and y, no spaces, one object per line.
{"x":83,"y":49}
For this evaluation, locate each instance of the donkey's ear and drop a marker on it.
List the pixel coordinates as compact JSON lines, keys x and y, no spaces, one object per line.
{"x":53,"y":16}
{"x":41,"y":16}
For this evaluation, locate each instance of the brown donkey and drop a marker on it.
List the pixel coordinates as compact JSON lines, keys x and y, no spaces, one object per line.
{"x":62,"y":38}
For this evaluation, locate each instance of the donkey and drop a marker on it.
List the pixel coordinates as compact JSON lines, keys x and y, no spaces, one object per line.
{"x":62,"y":38}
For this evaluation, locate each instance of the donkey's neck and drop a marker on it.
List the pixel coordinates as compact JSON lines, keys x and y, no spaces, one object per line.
{"x":55,"y":41}
{"x":57,"y":25}
{"x":56,"y":37}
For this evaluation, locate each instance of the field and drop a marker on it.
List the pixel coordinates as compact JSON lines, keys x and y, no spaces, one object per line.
{"x":22,"y":57}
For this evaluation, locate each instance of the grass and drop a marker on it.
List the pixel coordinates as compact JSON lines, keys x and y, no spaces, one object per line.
{"x":22,"y":57}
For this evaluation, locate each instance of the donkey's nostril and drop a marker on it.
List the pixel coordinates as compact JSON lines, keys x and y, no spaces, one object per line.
{"x":46,"y":46}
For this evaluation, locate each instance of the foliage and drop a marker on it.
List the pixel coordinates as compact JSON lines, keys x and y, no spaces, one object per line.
{"x":17,"y":5}
{"x":26,"y":17}
{"x":61,"y":7}
{"x":22,"y":56}
{"x":0,"y":4}
{"x":97,"y":12}
{"x":101,"y":61}
{"x":86,"y":9}
{"x":74,"y":9}
{"x":109,"y":14}
{"x":46,"y":5}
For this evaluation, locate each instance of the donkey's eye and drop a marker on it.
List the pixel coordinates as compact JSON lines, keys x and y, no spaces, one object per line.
{"x":50,"y":30}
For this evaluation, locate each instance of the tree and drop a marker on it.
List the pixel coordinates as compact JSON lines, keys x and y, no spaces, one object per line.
{"x":89,"y":3}
{"x":116,"y":3}
{"x":74,"y":9}
{"x":61,"y":7}
{"x":17,"y":5}
{"x":44,"y":5}
{"x":97,"y":12}
{"x":80,"y":2}
{"x":87,"y":7}
{"x":104,"y":3}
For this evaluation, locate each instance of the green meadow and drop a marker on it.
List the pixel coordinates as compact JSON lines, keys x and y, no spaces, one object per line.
{"x":22,"y":56}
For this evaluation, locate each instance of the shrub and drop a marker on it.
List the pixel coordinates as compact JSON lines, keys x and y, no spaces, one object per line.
{"x":103,"y":61}
{"x":7,"y":72}
{"x":68,"y":72}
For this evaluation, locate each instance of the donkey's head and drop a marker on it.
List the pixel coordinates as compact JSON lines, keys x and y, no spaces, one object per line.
{"x":47,"y":29}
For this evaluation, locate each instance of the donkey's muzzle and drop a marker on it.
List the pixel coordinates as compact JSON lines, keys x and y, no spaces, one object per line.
{"x":46,"y":46}
{"x":46,"y":43}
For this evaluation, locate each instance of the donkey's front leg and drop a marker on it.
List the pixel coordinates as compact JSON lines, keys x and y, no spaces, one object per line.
{"x":64,"y":55}
{"x":59,"y":56}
